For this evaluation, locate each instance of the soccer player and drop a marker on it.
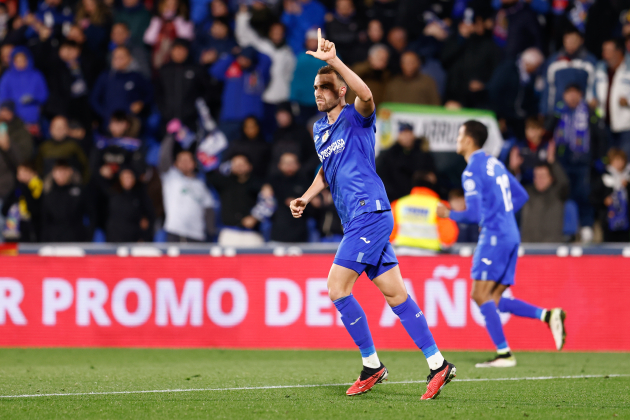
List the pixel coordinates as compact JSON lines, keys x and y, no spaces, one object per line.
{"x":492,"y":196}
{"x":344,"y":140}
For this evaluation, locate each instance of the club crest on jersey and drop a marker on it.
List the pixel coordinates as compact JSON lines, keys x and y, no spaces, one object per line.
{"x":325,"y":136}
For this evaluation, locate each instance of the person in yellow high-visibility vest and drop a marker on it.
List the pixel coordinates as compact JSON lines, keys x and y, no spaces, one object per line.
{"x":416,"y":223}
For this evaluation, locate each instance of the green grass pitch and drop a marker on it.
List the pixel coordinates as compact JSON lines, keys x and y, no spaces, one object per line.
{"x":52,"y":371}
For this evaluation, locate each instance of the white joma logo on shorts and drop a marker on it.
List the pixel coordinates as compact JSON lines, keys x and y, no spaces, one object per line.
{"x":366,"y":241}
{"x":486,"y":261}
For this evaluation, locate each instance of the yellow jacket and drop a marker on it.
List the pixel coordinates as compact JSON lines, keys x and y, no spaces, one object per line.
{"x":416,"y":223}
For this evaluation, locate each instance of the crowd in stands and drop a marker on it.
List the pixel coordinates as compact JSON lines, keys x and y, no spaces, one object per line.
{"x":191,"y":120}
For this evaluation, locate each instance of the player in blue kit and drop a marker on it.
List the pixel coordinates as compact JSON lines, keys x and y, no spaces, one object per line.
{"x":492,"y":196}
{"x":344,"y":140}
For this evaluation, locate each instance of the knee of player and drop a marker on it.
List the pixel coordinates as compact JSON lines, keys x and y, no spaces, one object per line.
{"x":336,"y":293}
{"x":480,"y":296}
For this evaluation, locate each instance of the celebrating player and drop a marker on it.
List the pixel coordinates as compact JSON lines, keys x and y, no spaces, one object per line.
{"x":492,"y":196}
{"x":344,"y":140}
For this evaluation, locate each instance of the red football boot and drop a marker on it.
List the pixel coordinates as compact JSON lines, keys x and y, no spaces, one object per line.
{"x":437,"y":381}
{"x":367,"y":381}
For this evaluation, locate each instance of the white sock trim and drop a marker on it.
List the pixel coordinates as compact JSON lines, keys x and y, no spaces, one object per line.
{"x":543,"y":314}
{"x":372,"y":361}
{"x":435,"y":361}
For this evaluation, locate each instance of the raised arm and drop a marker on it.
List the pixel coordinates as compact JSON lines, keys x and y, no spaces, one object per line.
{"x":364,"y":103}
{"x":299,"y":204}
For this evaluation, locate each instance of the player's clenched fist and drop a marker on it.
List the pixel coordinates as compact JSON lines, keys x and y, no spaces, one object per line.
{"x":297,"y":207}
{"x":325,"y":49}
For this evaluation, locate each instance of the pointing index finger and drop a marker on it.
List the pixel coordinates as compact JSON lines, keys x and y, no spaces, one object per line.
{"x":319,"y":38}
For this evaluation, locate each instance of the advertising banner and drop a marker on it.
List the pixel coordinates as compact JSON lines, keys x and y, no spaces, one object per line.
{"x":437,"y":124}
{"x":263,"y":301}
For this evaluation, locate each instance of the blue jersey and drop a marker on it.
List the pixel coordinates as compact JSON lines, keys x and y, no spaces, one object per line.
{"x":492,"y":196}
{"x":346,"y":150}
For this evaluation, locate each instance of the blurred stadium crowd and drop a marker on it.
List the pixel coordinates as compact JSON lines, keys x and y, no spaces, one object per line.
{"x":188,"y":120}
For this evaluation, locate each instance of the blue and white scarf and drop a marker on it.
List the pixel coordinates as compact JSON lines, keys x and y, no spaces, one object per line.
{"x":572,"y":130}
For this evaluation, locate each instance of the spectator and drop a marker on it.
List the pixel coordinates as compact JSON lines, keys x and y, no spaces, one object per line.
{"x":109,"y":155}
{"x":525,"y":154}
{"x":542,"y":217}
{"x":238,"y":192}
{"x":130,"y":213}
{"x":512,"y":91}
{"x":572,"y":135}
{"x":468,"y":233}
{"x":612,"y":93}
{"x":373,"y":35}
{"x":61,"y":147}
{"x":25,"y":86}
{"x":6,"y":51}
{"x":170,"y":23}
{"x":188,"y":204}
{"x":343,"y":29}
{"x":288,"y":184}
{"x":596,"y":20}
{"x":96,"y":62}
{"x":385,"y":11}
{"x":517,"y":28}
{"x":397,"y":165}
{"x":416,"y":224}
{"x":135,"y":17}
{"x":53,"y":15}
{"x":120,"y":88}
{"x":24,"y":204}
{"x":374,"y":73}
{"x":412,"y":86}
{"x":212,"y":41}
{"x":94,"y":16}
{"x":253,"y":145}
{"x":69,"y":79}
{"x":299,"y":16}
{"x":610,"y":197}
{"x":140,"y":61}
{"x":179,"y":84}
{"x":64,"y":205}
{"x":118,"y":150}
{"x":16,"y":146}
{"x":572,"y":65}
{"x":302,"y":80}
{"x":282,"y":63}
{"x":470,"y":56}
{"x":246,"y":76}
{"x":397,"y":42}
{"x":293,"y":138}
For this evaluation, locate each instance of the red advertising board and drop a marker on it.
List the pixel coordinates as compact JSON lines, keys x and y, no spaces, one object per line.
{"x":261,"y":301}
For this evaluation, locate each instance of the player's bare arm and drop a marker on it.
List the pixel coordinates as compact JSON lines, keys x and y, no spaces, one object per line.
{"x":326,"y":51}
{"x":299,"y":204}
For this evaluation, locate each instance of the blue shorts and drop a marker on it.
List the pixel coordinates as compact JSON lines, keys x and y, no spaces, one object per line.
{"x":495,"y":263}
{"x":365,"y":245}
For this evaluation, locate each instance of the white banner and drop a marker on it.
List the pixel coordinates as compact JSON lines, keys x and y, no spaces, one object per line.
{"x":437,"y":124}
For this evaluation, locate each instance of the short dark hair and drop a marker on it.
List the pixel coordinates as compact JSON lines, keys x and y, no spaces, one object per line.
{"x":543,"y":164}
{"x":477,"y":131}
{"x":331,"y":70}
{"x":120,"y":116}
{"x":619,"y":43}
{"x":455,"y":193}
{"x":574,"y":86}
{"x":573,"y":30}
{"x":70,"y":44}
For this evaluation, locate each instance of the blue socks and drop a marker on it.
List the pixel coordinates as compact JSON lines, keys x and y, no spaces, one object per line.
{"x":494,"y":327}
{"x":414,"y":322}
{"x":520,"y":308}
{"x":355,"y":321}
{"x":412,"y":319}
